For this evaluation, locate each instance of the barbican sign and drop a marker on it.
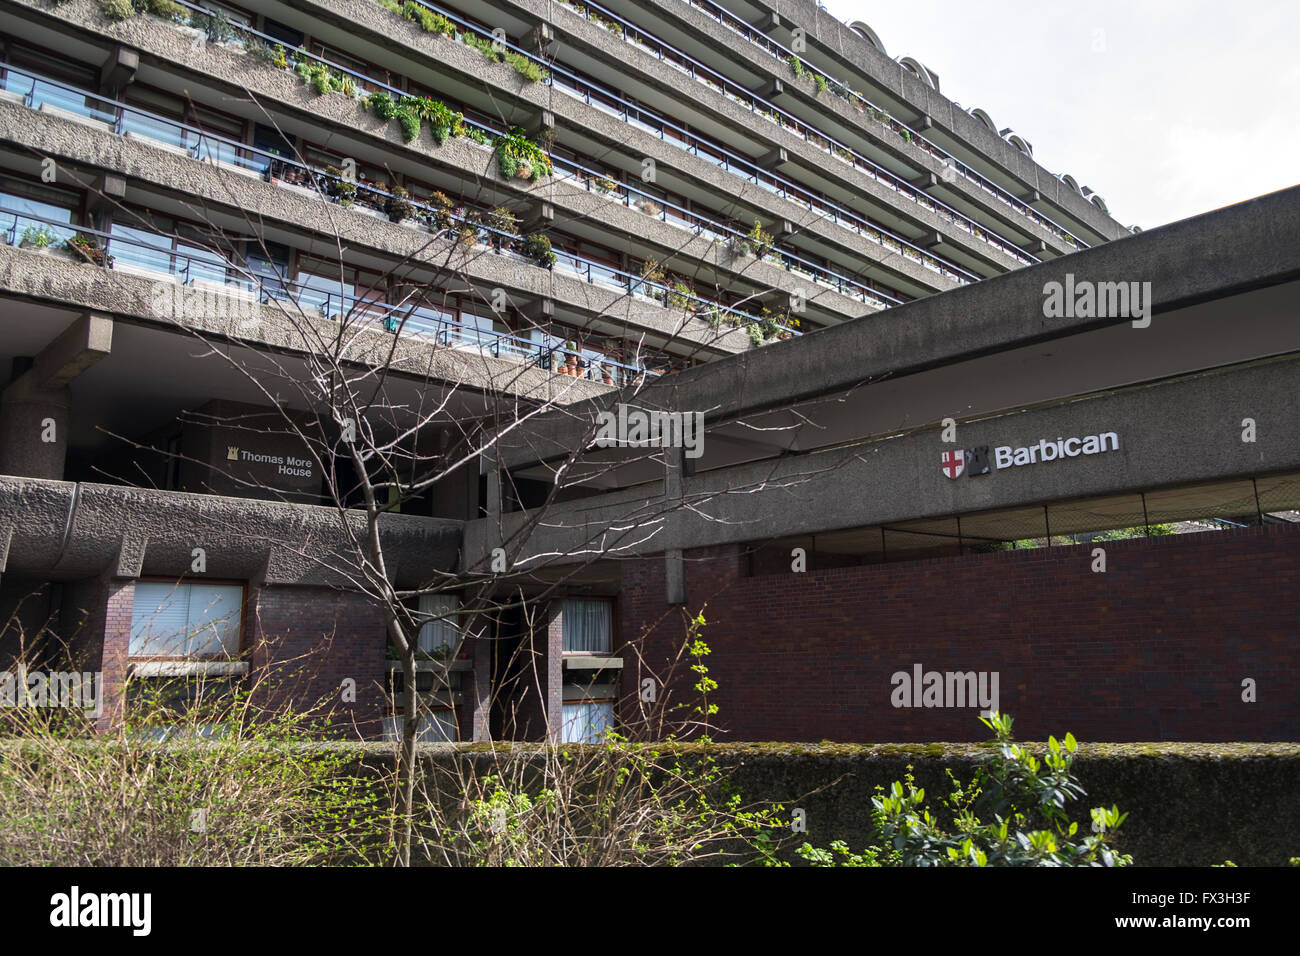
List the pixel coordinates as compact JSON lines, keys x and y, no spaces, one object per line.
{"x":976,"y":461}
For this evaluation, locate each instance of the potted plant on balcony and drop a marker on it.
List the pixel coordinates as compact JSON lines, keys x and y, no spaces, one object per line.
{"x":648,"y":206}
{"x":606,"y":374}
{"x":397,"y":204}
{"x":538,"y":248}
{"x":604,"y":185}
{"x":89,"y":249}
{"x":39,"y":238}
{"x":505,"y":223}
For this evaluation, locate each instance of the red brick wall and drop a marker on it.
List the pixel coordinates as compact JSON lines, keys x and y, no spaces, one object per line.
{"x":309,"y":640}
{"x":1155,"y":648}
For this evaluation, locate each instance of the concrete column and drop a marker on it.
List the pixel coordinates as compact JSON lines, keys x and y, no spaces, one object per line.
{"x":34,"y":409}
{"x":551,"y":676}
{"x":481,"y":704}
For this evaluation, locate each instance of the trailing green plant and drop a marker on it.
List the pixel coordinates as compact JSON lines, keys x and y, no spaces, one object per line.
{"x":755,"y":334}
{"x":1013,"y":813}
{"x":167,"y":10}
{"x":318,"y":76}
{"x":796,"y":65}
{"x":117,"y":10}
{"x":529,"y":69}
{"x":488,"y":48}
{"x":429,"y":20}
{"x":385,"y":107}
{"x":538,"y":248}
{"x":757,"y":242}
{"x":477,"y":135}
{"x":382,"y":105}
{"x":88,"y":248}
{"x":444,"y":122}
{"x":273,"y":55}
{"x":517,"y":155}
{"x":819,"y":82}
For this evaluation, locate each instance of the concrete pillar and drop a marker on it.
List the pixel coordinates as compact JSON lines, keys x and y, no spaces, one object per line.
{"x":552,"y":671}
{"x":34,"y":409}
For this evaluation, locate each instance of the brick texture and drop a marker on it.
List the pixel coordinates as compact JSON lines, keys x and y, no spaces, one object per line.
{"x":1155,"y":648}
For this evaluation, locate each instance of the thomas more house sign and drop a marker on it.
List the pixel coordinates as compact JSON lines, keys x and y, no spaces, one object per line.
{"x":978,"y":461}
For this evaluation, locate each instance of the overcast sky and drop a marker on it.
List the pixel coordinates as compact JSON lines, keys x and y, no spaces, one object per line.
{"x":1167,"y":108}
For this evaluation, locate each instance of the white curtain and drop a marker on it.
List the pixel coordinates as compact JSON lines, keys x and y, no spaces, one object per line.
{"x":186,"y":620}
{"x":435,"y":634}
{"x":587,"y":625}
{"x":585,"y":721}
{"x":438,"y":727}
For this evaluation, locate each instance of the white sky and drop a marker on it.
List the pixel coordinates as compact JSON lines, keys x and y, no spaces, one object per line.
{"x":1188,"y":105}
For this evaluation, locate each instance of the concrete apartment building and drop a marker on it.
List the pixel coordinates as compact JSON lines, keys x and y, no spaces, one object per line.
{"x":753,"y":213}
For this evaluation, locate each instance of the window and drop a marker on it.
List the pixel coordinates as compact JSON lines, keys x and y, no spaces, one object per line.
{"x":587,"y":625}
{"x":171,"y":619}
{"x":436,"y":727}
{"x":439,"y":638}
{"x":584,"y":722}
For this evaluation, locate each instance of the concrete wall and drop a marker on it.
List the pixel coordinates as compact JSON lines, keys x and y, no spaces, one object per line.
{"x":1155,"y":648}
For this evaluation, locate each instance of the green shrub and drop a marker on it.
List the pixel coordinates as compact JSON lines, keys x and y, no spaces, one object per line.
{"x":117,"y":10}
{"x":429,"y":21}
{"x":1013,"y":813}
{"x":167,"y":10}
{"x":820,"y":82}
{"x":538,"y":248}
{"x":515,"y":149}
{"x":530,"y":70}
{"x":796,"y":65}
{"x":382,"y":105}
{"x":409,"y":122}
{"x":485,"y":46}
{"x":442,"y":119}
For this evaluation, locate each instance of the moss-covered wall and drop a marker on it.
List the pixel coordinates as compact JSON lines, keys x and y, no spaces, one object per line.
{"x":1188,"y":804}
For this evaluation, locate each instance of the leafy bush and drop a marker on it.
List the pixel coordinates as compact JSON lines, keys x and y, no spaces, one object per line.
{"x":538,"y":248}
{"x":442,"y":119}
{"x":796,"y":65}
{"x":515,"y":149}
{"x":820,"y":82}
{"x":1013,"y":813}
{"x":429,"y":21}
{"x":215,"y":25}
{"x":42,"y":237}
{"x":167,"y":10}
{"x":530,"y":70}
{"x":117,"y":10}
{"x":485,"y":46}
{"x":398,"y":205}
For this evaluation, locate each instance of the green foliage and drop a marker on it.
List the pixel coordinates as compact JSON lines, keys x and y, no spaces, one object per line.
{"x":319,"y":77}
{"x":820,"y":82}
{"x":529,"y":69}
{"x":409,"y":122}
{"x":404,"y":111}
{"x":197,"y":775}
{"x":443,"y":121}
{"x":757,"y":242}
{"x":485,"y":46}
{"x":681,"y":294}
{"x":117,"y":10}
{"x":397,"y":205}
{"x":1013,"y":813}
{"x":517,"y":153}
{"x":538,"y":248}
{"x":168,"y":10}
{"x":429,"y":21}
{"x":215,"y":25}
{"x":273,"y":55}
{"x":796,"y":65}
{"x":382,"y":105}
{"x":42,"y":237}
{"x":477,"y":135}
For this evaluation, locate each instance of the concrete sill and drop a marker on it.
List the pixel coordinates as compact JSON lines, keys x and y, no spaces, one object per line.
{"x":9,"y":96}
{"x":135,"y":137}
{"x":188,"y":668}
{"x":592,"y":663}
{"x":144,"y":272}
{"x":463,"y":667}
{"x":237,"y":170}
{"x":76,"y":117}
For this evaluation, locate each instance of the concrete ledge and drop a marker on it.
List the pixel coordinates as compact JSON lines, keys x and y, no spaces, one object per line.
{"x":187,"y":668}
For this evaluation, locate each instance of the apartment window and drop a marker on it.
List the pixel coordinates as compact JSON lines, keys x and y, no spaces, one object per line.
{"x":41,"y":214}
{"x":439,"y":637}
{"x":178,"y":620}
{"x":585,"y":722}
{"x":436,"y":727}
{"x":587,"y":626}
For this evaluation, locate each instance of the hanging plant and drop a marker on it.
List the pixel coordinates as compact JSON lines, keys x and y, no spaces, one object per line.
{"x":538,"y":248}
{"x":443,"y":121}
{"x":397,"y":205}
{"x":518,"y":156}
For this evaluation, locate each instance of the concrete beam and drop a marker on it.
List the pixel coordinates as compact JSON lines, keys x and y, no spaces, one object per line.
{"x":119,"y":69}
{"x":1174,"y":433}
{"x":78,"y":347}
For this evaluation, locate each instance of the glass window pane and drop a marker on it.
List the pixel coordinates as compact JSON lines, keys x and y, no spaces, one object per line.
{"x":587,"y":625}
{"x":586,"y":721}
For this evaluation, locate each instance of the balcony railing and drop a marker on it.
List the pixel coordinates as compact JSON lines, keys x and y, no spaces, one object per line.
{"x":603,"y":98}
{"x":244,"y":284}
{"x":125,"y":120}
{"x":777,"y":51}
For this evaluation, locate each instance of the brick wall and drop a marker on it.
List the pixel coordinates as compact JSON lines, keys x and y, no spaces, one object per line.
{"x":1154,"y":648}
{"x":309,"y":640}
